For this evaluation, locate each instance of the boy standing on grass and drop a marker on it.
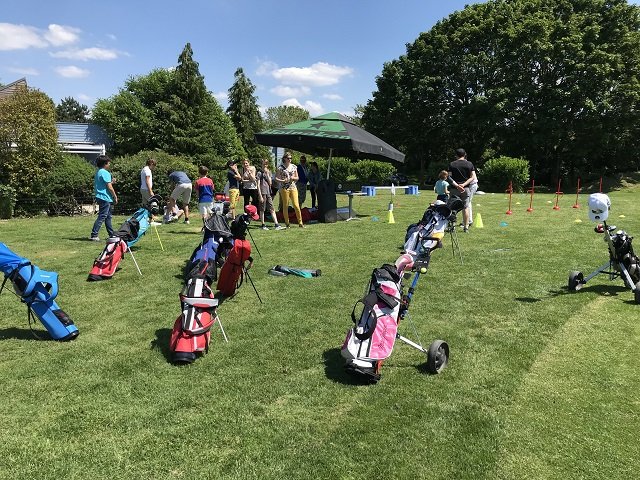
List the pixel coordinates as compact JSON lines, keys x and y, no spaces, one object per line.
{"x":442,"y":186}
{"x":105,"y":197}
{"x":205,"y":190}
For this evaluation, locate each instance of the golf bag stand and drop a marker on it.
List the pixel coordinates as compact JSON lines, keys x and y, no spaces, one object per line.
{"x":622,"y":262}
{"x":38,"y":290}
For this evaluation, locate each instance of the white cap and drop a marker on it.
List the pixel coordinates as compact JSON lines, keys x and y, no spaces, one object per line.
{"x":599,"y":205}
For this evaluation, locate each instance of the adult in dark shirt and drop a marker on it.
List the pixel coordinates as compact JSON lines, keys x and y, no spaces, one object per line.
{"x":461,"y":174}
{"x":301,"y":184}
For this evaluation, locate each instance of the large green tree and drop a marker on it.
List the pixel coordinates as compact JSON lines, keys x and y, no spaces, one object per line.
{"x":170,"y":110}
{"x":28,"y":142}
{"x":553,"y":81}
{"x":245,"y":115}
{"x":284,"y":115}
{"x":70,"y":110}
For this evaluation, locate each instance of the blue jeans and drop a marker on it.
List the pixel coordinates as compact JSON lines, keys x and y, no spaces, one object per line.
{"x":105,"y":210}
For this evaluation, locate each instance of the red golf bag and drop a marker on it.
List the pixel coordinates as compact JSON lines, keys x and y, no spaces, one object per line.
{"x":232,"y":272}
{"x":191,"y":330}
{"x":104,"y":267}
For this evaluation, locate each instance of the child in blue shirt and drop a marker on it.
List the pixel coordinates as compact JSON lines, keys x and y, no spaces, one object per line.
{"x":442,"y":186}
{"x":105,"y":197}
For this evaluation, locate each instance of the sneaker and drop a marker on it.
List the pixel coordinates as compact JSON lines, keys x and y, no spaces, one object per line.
{"x":288,"y":226}
{"x":279,"y":227}
{"x":301,"y":225}
{"x":264,"y":227}
{"x":187,"y":222}
{"x":465,"y":229}
{"x":94,"y":239}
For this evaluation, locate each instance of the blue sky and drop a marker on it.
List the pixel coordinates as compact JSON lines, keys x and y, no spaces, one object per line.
{"x":321,"y":55}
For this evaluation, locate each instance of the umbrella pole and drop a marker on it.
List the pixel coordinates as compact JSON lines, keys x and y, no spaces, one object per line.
{"x":329,"y":164}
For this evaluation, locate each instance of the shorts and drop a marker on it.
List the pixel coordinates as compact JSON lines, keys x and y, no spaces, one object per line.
{"x":146,"y":195}
{"x":205,"y":208}
{"x":266,"y":203}
{"x":234,"y":194}
{"x":182,"y":191}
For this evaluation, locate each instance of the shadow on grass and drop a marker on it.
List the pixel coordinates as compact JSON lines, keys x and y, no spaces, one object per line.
{"x":161,"y":342}
{"x":608,"y":290}
{"x":528,"y":299}
{"x":334,"y":369}
{"x":21,"y":334}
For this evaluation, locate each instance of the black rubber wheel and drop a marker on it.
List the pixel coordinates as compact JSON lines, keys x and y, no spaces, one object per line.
{"x":437,"y":356}
{"x":636,"y":293}
{"x":576,"y":280}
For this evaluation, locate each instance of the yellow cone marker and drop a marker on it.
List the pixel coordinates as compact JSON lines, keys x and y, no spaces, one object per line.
{"x":478,"y":223}
{"x":621,"y":216}
{"x":390,"y":218}
{"x":577,"y":220}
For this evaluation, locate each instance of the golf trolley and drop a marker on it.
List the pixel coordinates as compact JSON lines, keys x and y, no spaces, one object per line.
{"x":370,"y":341}
{"x":438,"y":351}
{"x":622,"y":261}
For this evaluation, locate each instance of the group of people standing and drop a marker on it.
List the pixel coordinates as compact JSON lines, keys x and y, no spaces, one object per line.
{"x":106,"y":196}
{"x":258,"y":187}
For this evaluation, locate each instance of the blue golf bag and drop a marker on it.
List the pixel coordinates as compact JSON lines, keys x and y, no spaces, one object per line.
{"x":203,"y":261}
{"x":38,"y":289}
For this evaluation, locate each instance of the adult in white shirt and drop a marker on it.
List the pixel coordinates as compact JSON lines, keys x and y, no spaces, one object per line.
{"x":146,"y":180}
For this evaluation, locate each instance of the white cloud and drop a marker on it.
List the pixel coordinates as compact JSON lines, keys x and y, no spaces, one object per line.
{"x":221,"y":96}
{"x":320,"y":74}
{"x":85,"y":54}
{"x":111,"y":36}
{"x":19,"y":37}
{"x":83,"y":97}
{"x":310,"y":106}
{"x":286,"y":91}
{"x":58,"y":35}
{"x":71,"y":71}
{"x":266,"y":68}
{"x":24,"y":71}
{"x":332,"y":96}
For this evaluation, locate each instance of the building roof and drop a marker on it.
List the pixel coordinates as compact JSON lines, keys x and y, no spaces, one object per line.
{"x":8,"y":90}
{"x":88,"y":133}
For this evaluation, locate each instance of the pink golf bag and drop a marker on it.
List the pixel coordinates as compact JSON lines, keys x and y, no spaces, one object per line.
{"x":373,"y":335}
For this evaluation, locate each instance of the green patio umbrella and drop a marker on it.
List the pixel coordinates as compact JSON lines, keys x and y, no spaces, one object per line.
{"x":330,"y":135}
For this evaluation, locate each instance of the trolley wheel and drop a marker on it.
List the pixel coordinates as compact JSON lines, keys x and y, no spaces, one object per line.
{"x":576,"y":280}
{"x":437,"y":356}
{"x":636,"y":293}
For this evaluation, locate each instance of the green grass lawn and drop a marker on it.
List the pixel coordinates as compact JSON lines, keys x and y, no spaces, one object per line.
{"x":542,"y":383}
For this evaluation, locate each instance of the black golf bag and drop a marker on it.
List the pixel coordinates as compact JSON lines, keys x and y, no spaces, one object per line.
{"x":38,"y":290}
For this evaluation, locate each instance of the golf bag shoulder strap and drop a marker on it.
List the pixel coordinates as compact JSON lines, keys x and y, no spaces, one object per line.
{"x":24,"y":285}
{"x":197,"y":293}
{"x":368,"y":302}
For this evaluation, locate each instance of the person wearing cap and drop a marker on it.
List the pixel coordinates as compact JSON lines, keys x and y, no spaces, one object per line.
{"x":288,"y":176}
{"x":461,"y":174}
{"x":234,"y":177}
